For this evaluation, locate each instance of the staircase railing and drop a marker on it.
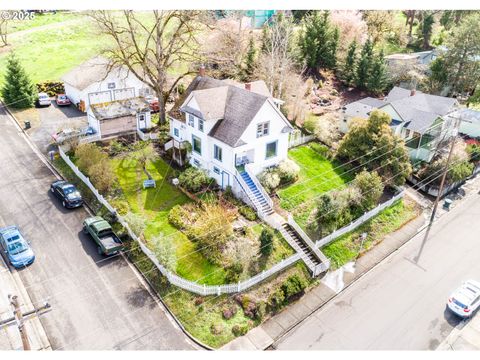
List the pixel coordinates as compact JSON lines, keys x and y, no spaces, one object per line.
{"x":248,"y":169}
{"x":249,"y":194}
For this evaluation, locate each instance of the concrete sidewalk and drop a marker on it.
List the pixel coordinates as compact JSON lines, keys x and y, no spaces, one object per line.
{"x":9,"y":334}
{"x":466,"y":336}
{"x":273,"y":329}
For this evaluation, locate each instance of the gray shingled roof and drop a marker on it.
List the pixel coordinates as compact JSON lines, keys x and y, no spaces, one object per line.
{"x":398,"y":93}
{"x":416,"y":120}
{"x":87,"y":73}
{"x":363,"y":107}
{"x":239,"y":107}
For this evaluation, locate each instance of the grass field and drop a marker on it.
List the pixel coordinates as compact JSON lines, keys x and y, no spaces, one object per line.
{"x":346,"y":248}
{"x":48,"y":54}
{"x":317,"y":175}
{"x":40,"y":20}
{"x":154,"y":204}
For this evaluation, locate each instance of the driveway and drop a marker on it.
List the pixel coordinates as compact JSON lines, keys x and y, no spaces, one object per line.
{"x":401,"y":304}
{"x":97,"y":303}
{"x":51,"y":120}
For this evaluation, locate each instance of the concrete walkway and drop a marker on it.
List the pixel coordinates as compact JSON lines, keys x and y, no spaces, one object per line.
{"x":466,"y":336}
{"x":273,"y":329}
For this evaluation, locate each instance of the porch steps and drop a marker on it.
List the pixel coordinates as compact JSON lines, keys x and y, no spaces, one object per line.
{"x":258,"y":199}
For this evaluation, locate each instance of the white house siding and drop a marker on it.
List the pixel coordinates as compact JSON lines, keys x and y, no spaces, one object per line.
{"x":128,"y":84}
{"x":267,"y":112}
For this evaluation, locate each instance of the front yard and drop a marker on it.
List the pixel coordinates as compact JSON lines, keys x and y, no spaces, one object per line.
{"x":154,"y":205}
{"x":317,"y":175}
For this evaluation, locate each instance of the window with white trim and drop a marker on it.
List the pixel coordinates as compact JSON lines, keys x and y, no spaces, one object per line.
{"x":197,"y":144}
{"x":263,"y":129}
{"x":191,"y":120}
{"x":176,"y":132}
{"x":196,"y":162}
{"x":271,"y":150}
{"x":216,"y":170}
{"x":217,"y":152}
{"x":200,"y":125}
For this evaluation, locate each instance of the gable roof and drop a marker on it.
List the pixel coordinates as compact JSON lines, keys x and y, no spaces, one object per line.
{"x":89,"y":72}
{"x":232,"y":105}
{"x":362,"y":107}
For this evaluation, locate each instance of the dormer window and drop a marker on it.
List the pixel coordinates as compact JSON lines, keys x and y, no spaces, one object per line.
{"x":191,"y":120}
{"x":262,"y":129}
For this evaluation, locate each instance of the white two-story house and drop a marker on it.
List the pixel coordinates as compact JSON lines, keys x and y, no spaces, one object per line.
{"x":230,"y":127}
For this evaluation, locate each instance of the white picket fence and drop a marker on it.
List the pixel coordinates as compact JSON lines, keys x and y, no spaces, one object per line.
{"x":297,"y":138}
{"x":200,"y":289}
{"x":146,"y":136}
{"x":353,"y":225}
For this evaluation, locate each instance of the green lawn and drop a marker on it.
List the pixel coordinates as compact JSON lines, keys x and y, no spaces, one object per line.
{"x":50,"y":53}
{"x":40,"y":20}
{"x":317,"y":175}
{"x":346,"y":248}
{"x":154,"y":204}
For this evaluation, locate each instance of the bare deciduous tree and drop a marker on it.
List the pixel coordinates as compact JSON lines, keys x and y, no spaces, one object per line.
{"x":4,"y":29}
{"x":276,"y":58}
{"x":154,"y":45}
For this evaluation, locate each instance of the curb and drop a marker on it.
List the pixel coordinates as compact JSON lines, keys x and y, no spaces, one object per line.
{"x":57,"y":173}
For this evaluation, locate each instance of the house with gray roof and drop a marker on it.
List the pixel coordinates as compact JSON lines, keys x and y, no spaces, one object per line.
{"x":423,"y":120}
{"x":228,"y":126}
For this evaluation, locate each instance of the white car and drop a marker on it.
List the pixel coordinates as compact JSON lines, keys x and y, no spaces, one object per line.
{"x":466,"y":299}
{"x":43,"y":99}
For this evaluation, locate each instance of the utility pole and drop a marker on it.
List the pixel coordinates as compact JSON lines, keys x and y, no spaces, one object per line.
{"x":442,"y":184}
{"x":19,"y":320}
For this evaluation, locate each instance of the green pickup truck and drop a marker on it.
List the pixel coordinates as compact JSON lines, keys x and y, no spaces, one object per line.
{"x":102,"y":233}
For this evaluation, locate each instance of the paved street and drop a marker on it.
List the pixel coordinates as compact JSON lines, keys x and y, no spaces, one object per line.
{"x":401,"y":304}
{"x":96,"y":303}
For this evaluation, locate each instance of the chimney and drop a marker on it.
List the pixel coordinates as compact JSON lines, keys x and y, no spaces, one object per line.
{"x":413,"y":92}
{"x":248,"y":86}
{"x":201,"y":71}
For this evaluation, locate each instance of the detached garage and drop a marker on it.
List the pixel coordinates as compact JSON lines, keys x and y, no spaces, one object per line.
{"x":95,"y":82}
{"x":119,"y":117}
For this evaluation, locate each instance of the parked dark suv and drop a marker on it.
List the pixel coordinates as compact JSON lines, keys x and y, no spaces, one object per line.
{"x":67,"y":193}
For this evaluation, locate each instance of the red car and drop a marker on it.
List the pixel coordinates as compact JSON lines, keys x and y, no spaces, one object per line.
{"x":153,"y":102}
{"x":62,"y":100}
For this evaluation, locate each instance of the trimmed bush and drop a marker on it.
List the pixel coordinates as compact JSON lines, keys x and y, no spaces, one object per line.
{"x":229,"y":312}
{"x":269,"y":179}
{"x":194,"y":179}
{"x":247,"y":212}
{"x":294,"y":285}
{"x":239,"y":329}
{"x":288,"y":171}
{"x":52,"y":88}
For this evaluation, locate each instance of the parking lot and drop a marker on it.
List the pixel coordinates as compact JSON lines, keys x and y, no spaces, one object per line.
{"x":52,"y":119}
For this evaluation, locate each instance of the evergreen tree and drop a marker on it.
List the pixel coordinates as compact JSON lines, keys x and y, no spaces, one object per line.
{"x":364,"y":65}
{"x":250,"y":60}
{"x":18,"y":91}
{"x":424,"y":30}
{"x":266,"y":241}
{"x":377,"y":80}
{"x":318,"y":41}
{"x":350,"y":63}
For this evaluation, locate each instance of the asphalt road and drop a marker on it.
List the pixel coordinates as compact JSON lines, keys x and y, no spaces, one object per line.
{"x":400,"y":305}
{"x":96,"y":303}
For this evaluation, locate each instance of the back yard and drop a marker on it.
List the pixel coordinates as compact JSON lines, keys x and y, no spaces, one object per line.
{"x":317,"y":175}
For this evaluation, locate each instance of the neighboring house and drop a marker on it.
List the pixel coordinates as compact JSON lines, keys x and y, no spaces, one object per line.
{"x":469,"y":122}
{"x":93,"y":82}
{"x":119,"y":117}
{"x":411,"y":59}
{"x":423,"y":120}
{"x":228,"y":126}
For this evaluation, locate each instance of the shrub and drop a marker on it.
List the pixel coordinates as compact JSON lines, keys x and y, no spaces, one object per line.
{"x":216,"y":328}
{"x":310,"y":123}
{"x":52,"y":88}
{"x":229,"y":311}
{"x":270,"y":179}
{"x":276,"y":300}
{"x":295,"y":284}
{"x":88,"y":155}
{"x":233,"y":272}
{"x":239,"y":329}
{"x":194,"y":179}
{"x":288,"y":171}
{"x":116,"y":147}
{"x":102,"y":175}
{"x":177,"y":216}
{"x":371,"y":188}
{"x":247,"y":212}
{"x":136,"y":223}
{"x":165,"y":253}
{"x":266,"y":241}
